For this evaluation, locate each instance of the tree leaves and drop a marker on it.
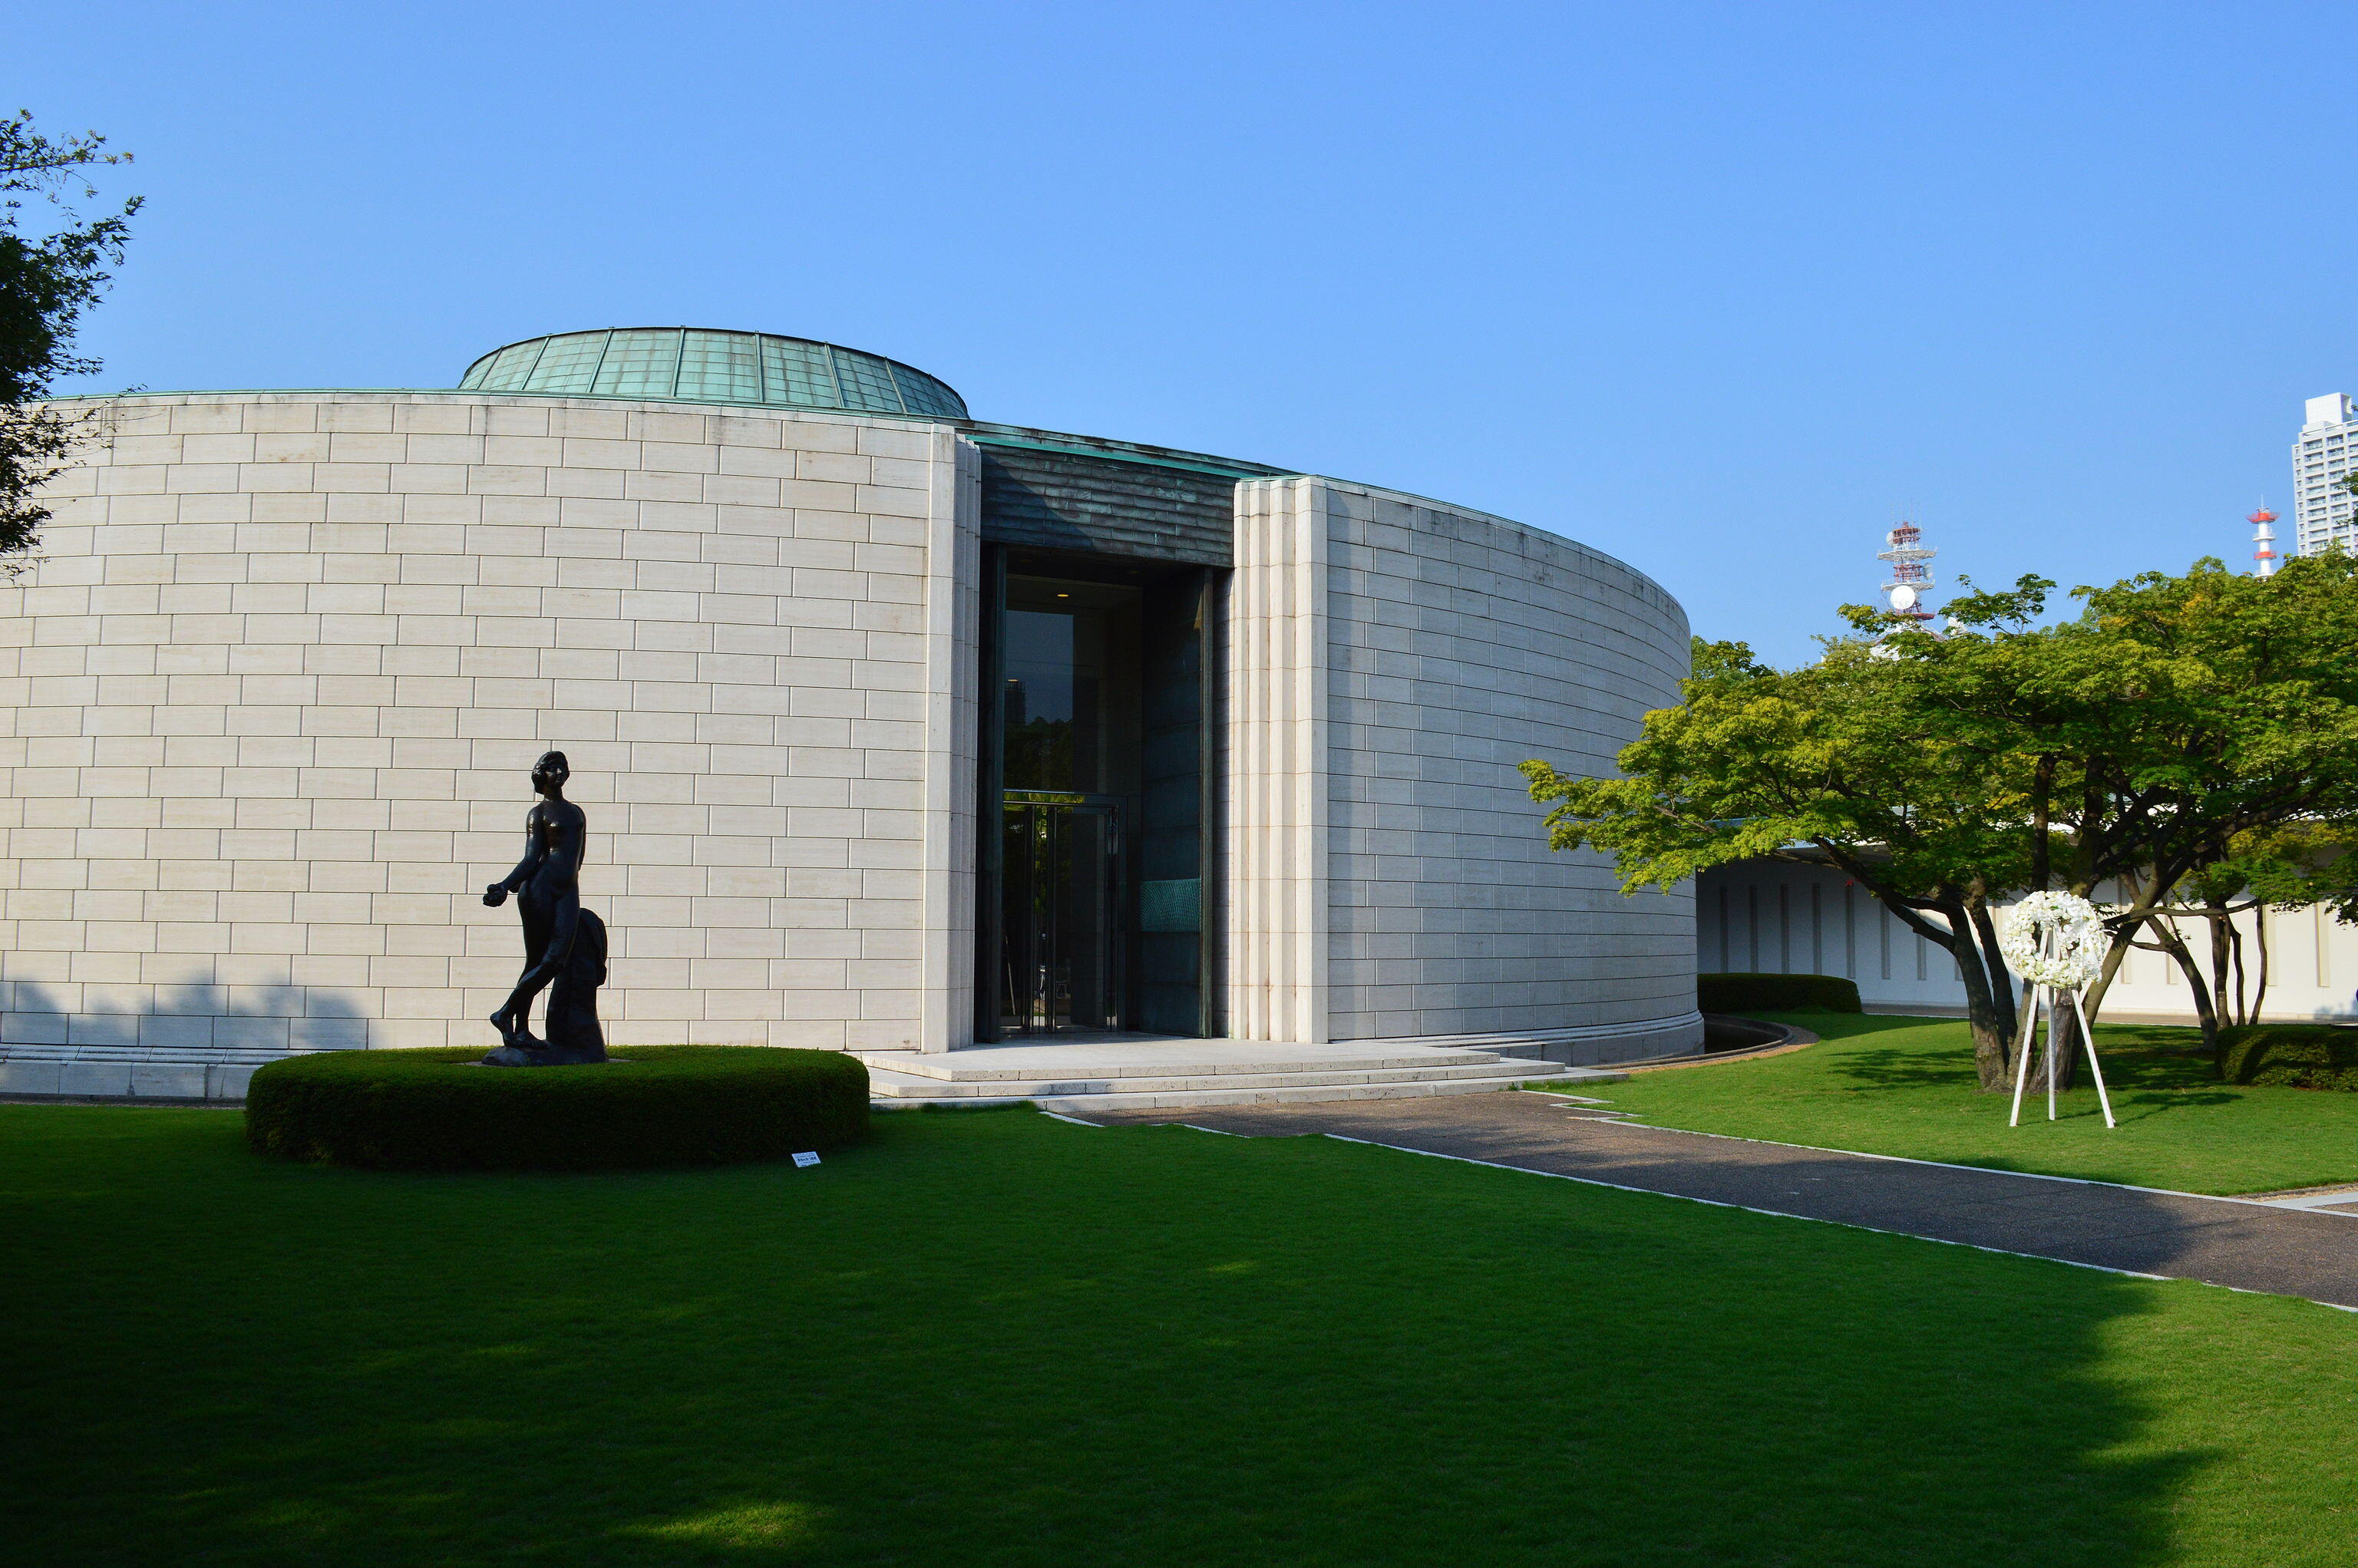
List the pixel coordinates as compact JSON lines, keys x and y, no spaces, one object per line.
{"x":2130,"y":746}
{"x":45,"y":285}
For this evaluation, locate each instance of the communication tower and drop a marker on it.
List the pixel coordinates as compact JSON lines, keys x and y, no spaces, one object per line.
{"x":1912,"y":579}
{"x":2264,"y":542}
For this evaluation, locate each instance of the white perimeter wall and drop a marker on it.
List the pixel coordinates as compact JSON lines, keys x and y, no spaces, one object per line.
{"x":272,"y":693}
{"x":1766,"y":917}
{"x":1419,"y":652}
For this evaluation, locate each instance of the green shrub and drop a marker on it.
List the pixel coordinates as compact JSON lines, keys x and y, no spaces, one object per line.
{"x":671,"y":1105}
{"x":1777,"y":993}
{"x":2295,"y":1055}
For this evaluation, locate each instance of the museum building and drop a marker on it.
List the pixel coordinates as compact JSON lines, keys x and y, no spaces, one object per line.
{"x":896,"y":729}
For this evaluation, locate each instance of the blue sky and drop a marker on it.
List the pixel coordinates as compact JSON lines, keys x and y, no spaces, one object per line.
{"x":1722,"y":291}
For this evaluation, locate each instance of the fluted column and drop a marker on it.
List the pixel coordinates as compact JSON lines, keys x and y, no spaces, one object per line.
{"x":1277,"y":817}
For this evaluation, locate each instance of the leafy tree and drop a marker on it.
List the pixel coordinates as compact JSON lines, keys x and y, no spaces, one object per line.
{"x":46,"y":283}
{"x":2125,"y":749}
{"x":2216,"y":715}
{"x":1825,"y":763}
{"x":2290,"y":867}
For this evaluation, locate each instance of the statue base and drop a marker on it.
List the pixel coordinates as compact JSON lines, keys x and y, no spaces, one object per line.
{"x":539,"y":1054}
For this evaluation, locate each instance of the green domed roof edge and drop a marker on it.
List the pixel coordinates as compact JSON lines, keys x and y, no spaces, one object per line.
{"x":757,"y":370}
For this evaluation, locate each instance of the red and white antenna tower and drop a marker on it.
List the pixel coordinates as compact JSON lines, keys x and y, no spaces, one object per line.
{"x":1912,"y":579}
{"x":2264,"y":542}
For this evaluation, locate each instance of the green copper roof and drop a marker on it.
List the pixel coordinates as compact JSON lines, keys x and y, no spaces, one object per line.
{"x":753,"y":368}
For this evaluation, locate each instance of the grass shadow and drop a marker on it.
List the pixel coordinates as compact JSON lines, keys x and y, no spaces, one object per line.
{"x":1891,"y":1085}
{"x":1007,"y":1340}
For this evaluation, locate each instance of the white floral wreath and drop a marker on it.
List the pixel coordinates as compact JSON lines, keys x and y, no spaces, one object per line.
{"x":2055,"y":939}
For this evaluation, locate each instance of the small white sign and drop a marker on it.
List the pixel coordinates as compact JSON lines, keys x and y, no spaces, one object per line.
{"x":804,"y":1162}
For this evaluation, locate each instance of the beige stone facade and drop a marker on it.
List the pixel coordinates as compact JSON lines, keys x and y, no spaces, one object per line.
{"x":274,"y":686}
{"x":1395,"y":658}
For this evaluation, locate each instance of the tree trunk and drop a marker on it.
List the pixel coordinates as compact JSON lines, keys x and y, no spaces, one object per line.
{"x":2260,"y":949}
{"x":1972,"y":942}
{"x":2243,"y":1013}
{"x":2222,"y":1003}
{"x":1983,"y":1017}
{"x":2001,"y":978}
{"x":2091,"y":1002}
{"x":2063,"y":1029}
{"x":2115,"y":957}
{"x":1989,"y":1011}
{"x":2166,"y":935}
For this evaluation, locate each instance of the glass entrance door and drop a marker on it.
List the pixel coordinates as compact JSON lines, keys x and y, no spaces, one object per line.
{"x":1062,"y":935}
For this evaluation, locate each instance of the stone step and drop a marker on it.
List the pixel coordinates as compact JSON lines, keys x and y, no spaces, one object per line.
{"x":1524,"y":1043}
{"x":993,"y":1063}
{"x":889,"y":1083}
{"x":173,"y":1055}
{"x":124,"y":1079}
{"x":1081,"y":1105}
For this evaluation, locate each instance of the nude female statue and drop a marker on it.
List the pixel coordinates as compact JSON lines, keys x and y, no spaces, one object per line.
{"x":564,"y":944}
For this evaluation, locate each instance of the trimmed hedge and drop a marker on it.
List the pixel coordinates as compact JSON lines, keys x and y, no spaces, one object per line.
{"x":1776,"y":993}
{"x":666,"y":1105}
{"x":2295,"y":1056}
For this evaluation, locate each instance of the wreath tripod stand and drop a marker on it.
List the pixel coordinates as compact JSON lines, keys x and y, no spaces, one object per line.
{"x":2057,"y":942}
{"x":2043,"y":996}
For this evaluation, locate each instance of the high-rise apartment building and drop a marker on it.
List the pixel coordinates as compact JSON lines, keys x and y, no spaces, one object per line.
{"x":2327,"y":450}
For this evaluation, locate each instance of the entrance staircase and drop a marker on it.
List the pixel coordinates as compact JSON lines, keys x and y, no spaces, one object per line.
{"x":132,"y":1072}
{"x":1151,"y":1073}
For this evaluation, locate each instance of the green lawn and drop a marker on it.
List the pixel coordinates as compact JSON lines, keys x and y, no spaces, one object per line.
{"x":1905,"y":1086}
{"x":998,"y":1338}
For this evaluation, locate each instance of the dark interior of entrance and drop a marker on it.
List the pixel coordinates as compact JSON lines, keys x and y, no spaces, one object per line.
{"x":1094,"y":780}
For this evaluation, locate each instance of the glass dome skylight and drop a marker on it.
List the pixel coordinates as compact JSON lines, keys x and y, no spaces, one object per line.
{"x":753,"y":368}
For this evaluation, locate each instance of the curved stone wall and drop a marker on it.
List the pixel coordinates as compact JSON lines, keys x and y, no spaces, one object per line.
{"x":1412,"y":654}
{"x":273,"y":689}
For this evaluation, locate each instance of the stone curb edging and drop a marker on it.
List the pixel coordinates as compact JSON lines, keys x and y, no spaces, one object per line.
{"x":169,"y":1102}
{"x":1796,"y":1038}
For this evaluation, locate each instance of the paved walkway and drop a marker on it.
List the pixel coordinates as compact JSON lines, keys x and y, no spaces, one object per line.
{"x":2221,"y":1241}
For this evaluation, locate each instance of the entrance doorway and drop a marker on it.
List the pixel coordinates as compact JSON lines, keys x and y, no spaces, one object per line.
{"x":1093,"y":765}
{"x":1062,"y":901}
{"x":1068,"y":766}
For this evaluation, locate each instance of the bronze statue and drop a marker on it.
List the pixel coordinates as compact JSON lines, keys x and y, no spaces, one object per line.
{"x":564,"y":944}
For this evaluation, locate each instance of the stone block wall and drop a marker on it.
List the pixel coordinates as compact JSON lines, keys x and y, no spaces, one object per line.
{"x":268,"y":701}
{"x":1391,"y":659}
{"x":1458,"y":644}
{"x":1783,"y":917}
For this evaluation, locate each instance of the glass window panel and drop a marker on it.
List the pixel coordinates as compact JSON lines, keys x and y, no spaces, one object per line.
{"x":643,"y":364}
{"x":797,"y":373}
{"x":867,"y":381}
{"x":725,"y":367}
{"x":1069,"y":706}
{"x":570,"y":363}
{"x":500,"y":373}
{"x":507,"y":370}
{"x":923,"y":395}
{"x":517,"y":363}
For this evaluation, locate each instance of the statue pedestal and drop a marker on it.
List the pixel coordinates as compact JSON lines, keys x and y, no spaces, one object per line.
{"x":539,"y":1054}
